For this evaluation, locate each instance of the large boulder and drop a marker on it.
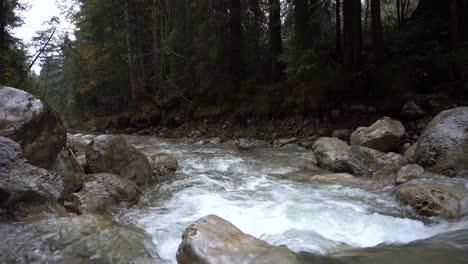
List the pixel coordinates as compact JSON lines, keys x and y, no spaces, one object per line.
{"x":100,"y":192}
{"x":67,"y":166}
{"x":77,"y":143}
{"x":446,"y":198}
{"x":337,"y":156}
{"x":383,"y":135}
{"x":24,"y":188}
{"x":443,"y":145}
{"x":331,"y":153}
{"x":213,"y":240}
{"x":112,"y":154}
{"x":81,"y":239}
{"x":35,"y":126}
{"x":164,"y":164}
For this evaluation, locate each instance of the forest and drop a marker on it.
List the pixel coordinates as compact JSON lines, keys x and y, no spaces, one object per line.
{"x":161,"y":62}
{"x":234,"y":131}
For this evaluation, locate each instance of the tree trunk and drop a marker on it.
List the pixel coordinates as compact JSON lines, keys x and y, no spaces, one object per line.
{"x":236,"y":41}
{"x":453,"y":23}
{"x":398,"y":7}
{"x":301,"y":19}
{"x":276,"y":44}
{"x":376,"y":29}
{"x":134,"y":57}
{"x":352,"y":44}
{"x":339,"y":47}
{"x":2,"y":26}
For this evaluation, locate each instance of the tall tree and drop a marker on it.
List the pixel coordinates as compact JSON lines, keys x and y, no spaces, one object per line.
{"x":352,"y":42}
{"x":276,"y":42}
{"x":236,"y":41}
{"x":377,"y":39}
{"x":338,"y":38}
{"x":301,"y":19}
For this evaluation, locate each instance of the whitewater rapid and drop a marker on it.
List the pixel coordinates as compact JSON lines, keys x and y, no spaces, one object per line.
{"x":241,"y":187}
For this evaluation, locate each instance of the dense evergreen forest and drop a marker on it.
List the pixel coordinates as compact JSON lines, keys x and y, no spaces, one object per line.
{"x":166,"y":61}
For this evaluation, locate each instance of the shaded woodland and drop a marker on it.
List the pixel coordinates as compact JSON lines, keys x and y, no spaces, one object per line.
{"x":164,"y":60}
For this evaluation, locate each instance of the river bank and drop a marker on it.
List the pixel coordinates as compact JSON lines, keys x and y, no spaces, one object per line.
{"x":145,"y":199}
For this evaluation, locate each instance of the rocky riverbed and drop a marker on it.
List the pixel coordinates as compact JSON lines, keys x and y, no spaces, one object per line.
{"x":354,"y":198}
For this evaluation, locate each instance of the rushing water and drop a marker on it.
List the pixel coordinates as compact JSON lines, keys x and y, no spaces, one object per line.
{"x":320,"y":219}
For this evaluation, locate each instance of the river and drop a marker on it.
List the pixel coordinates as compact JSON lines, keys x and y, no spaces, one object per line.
{"x":342,"y":224}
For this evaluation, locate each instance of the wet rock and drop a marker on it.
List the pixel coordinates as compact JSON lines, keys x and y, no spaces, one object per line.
{"x":112,"y":154}
{"x":383,"y":135}
{"x":284,"y":141}
{"x":213,"y":240}
{"x":370,"y":163}
{"x":409,"y":153}
{"x":195,"y":134}
{"x":164,"y":164}
{"x":100,"y":192}
{"x":337,"y":156}
{"x":443,"y":146}
{"x":444,"y":198}
{"x":87,"y":238}
{"x":78,"y":143}
{"x":411,"y":111}
{"x":343,"y":134}
{"x":35,"y":126}
{"x":331,"y":153}
{"x":67,"y":166}
{"x":408,"y":173}
{"x":215,"y":141}
{"x":246,"y":144}
{"x":24,"y":188}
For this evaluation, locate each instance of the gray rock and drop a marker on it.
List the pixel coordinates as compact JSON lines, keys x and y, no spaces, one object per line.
{"x":408,"y":173}
{"x":337,"y":156}
{"x":444,"y":198}
{"x":215,"y":141}
{"x":35,"y":126}
{"x":78,"y":143}
{"x":331,"y":153}
{"x":67,"y":166}
{"x":26,"y":189}
{"x":164,"y":164}
{"x":343,"y":134}
{"x":82,"y":239}
{"x":383,"y":135}
{"x":411,"y":111}
{"x":100,"y":192}
{"x":443,"y":146}
{"x":284,"y":141}
{"x":112,"y":154}
{"x":213,"y":240}
{"x":246,"y":144}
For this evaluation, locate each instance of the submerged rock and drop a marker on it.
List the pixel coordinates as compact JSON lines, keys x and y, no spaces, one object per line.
{"x":446,"y":198}
{"x":35,"y":126}
{"x":100,"y":192}
{"x":164,"y":164}
{"x":383,"y":135}
{"x":213,"y":240}
{"x":24,"y":188}
{"x":443,"y":146}
{"x":112,"y":154}
{"x":82,"y":239}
